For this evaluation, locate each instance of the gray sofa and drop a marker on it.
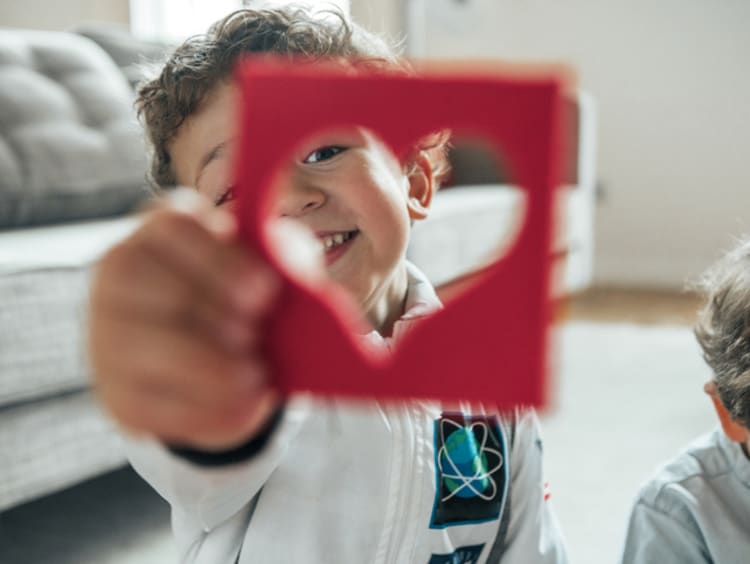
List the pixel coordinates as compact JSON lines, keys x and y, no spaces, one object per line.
{"x":72,"y":154}
{"x":72,"y":167}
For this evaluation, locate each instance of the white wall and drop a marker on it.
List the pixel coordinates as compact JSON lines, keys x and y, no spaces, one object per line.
{"x":60,"y":15}
{"x":384,"y":17}
{"x":672,"y":85}
{"x":673,"y":92}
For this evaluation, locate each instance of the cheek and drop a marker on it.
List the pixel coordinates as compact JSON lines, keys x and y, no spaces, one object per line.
{"x":391,"y":221}
{"x":215,"y":179}
{"x":389,"y":184}
{"x":378,"y":193}
{"x":392,"y":193}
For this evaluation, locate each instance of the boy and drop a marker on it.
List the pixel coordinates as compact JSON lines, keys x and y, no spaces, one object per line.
{"x":177,"y":314}
{"x":697,"y":508}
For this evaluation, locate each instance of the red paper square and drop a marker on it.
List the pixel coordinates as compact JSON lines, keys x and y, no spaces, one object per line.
{"x":490,"y":343}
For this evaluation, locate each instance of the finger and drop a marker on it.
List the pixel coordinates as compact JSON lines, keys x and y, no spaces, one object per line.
{"x":231,"y":429}
{"x":298,"y":250}
{"x":191,"y":202}
{"x":132,"y":284}
{"x":224,"y":272}
{"x":176,"y":421}
{"x":179,"y":362}
{"x":131,"y":280}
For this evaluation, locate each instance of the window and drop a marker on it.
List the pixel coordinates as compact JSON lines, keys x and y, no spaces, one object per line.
{"x":175,"y":20}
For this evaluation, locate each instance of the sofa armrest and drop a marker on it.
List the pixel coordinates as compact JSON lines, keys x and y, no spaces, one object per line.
{"x":471,"y":217}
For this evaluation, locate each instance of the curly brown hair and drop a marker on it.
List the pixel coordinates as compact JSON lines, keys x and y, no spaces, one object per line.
{"x":202,"y":62}
{"x":723,"y":329}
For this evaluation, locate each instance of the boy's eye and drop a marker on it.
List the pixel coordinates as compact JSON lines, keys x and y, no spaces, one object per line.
{"x":323,"y":154}
{"x":228,"y":195}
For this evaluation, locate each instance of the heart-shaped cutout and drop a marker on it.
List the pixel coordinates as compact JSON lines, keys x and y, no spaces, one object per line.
{"x":490,"y":343}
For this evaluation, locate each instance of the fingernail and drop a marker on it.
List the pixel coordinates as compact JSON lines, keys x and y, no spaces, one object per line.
{"x":185,"y":200}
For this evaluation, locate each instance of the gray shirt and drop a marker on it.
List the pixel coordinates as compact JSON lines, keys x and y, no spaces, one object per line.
{"x":696,"y":508}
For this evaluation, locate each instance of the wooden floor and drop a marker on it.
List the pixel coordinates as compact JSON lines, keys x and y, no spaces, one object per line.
{"x":614,"y":304}
{"x":643,"y":306}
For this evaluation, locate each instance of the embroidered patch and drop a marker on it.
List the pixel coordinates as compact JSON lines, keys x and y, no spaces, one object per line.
{"x":471,"y":474}
{"x":463,"y":555}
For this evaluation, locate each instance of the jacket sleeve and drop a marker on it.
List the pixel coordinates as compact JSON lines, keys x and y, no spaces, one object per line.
{"x":203,"y":498}
{"x":655,"y":537}
{"x":534,"y":535}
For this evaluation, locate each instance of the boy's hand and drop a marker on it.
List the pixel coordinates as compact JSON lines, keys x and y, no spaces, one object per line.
{"x":176,"y":319}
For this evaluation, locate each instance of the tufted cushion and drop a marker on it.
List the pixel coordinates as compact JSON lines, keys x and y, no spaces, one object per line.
{"x":133,"y":55}
{"x":70,"y":146}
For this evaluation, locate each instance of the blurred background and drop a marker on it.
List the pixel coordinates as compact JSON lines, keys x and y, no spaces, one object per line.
{"x":662,"y":188}
{"x":668,"y":78}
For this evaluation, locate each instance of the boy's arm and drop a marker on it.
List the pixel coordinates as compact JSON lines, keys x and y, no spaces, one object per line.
{"x":241,"y":453}
{"x":655,"y":537}
{"x":534,"y":535}
{"x":176,"y":318}
{"x":202,"y":496}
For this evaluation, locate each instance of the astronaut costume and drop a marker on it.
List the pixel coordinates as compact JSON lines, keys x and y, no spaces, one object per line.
{"x":370,"y":482}
{"x":696,"y":508}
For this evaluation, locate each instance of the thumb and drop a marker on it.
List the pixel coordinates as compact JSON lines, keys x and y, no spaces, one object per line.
{"x":298,"y":251}
{"x":191,"y":202}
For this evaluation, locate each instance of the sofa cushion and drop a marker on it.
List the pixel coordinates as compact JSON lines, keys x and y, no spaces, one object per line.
{"x":135,"y":56}
{"x":70,"y":145}
{"x":471,"y":226}
{"x":54,"y":443}
{"x":468,"y":226}
{"x":44,"y":275}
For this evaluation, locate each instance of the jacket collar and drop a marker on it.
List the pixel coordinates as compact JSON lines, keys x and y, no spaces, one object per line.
{"x":421,"y":301}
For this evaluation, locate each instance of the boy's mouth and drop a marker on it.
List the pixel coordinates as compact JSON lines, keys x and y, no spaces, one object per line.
{"x":335,"y":244}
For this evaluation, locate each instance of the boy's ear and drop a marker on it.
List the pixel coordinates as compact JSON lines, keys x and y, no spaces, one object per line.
{"x":735,"y":431}
{"x":421,"y":187}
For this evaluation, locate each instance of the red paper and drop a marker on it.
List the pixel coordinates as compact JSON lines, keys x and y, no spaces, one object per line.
{"x":490,"y":343}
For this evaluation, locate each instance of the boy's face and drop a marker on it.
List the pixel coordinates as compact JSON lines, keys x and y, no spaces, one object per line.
{"x":346,"y":187}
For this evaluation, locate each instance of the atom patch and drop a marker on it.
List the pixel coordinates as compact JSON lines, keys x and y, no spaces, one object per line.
{"x":463,"y":555}
{"x":471,"y":473}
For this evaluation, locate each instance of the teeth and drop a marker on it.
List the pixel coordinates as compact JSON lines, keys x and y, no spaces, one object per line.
{"x":335,"y":240}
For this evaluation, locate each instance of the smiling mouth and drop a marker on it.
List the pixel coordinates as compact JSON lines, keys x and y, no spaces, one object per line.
{"x":335,"y":245}
{"x":335,"y":240}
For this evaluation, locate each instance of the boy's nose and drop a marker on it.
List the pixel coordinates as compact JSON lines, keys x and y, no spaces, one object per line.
{"x":294,"y":199}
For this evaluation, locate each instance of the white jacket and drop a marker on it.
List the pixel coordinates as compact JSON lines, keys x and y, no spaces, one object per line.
{"x":361,"y":482}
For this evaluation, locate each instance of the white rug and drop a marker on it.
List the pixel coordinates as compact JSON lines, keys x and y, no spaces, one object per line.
{"x":630,"y":397}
